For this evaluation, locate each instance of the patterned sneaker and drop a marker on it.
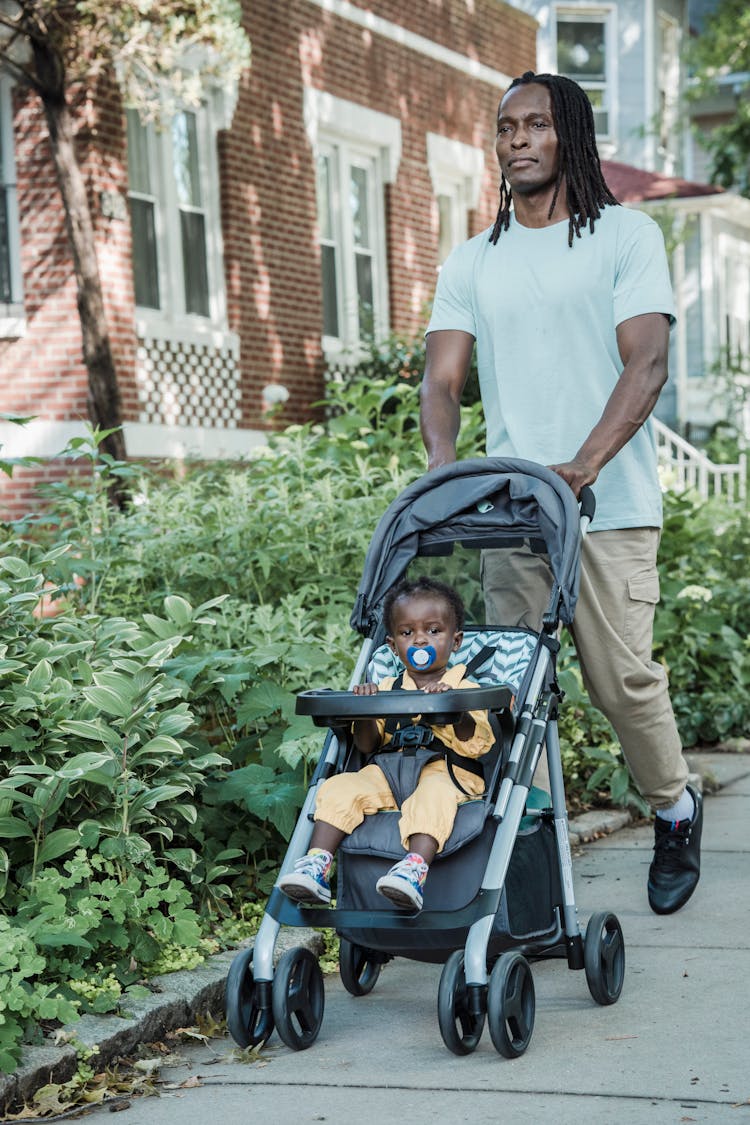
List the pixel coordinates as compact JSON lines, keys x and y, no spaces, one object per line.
{"x":309,"y":880}
{"x":404,"y":883}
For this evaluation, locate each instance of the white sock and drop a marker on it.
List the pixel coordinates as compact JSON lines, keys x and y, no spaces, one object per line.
{"x":683,"y":809}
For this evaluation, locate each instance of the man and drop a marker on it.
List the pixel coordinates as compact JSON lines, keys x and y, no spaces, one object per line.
{"x":569,"y":302}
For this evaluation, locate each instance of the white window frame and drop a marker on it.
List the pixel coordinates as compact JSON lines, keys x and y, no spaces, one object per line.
{"x":668,"y":81}
{"x":607,"y":15}
{"x":733,"y":254}
{"x":12,"y":319}
{"x":355,"y":136}
{"x":456,"y":171}
{"x":171,"y":319}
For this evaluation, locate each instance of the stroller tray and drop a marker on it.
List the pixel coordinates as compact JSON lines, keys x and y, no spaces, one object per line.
{"x":339,"y":708}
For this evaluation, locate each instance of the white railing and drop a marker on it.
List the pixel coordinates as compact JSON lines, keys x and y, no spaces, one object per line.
{"x":688,"y":467}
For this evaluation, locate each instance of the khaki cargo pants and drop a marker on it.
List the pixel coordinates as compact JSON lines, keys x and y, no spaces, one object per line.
{"x":612,"y":632}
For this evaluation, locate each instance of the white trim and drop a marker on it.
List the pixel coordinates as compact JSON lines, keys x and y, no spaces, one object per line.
{"x":350,"y":121}
{"x":454,"y":161}
{"x":423,"y":46}
{"x":649,"y":80}
{"x":41,"y":438}
{"x":12,"y":319}
{"x":608,"y":142}
{"x":180,"y":443}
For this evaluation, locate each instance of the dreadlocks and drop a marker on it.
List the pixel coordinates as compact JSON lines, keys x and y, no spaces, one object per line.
{"x":578,"y":158}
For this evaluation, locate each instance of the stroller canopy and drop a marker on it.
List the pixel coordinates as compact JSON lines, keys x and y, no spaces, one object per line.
{"x":484,"y":502}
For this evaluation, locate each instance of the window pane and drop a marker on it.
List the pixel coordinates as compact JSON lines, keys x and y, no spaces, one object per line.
{"x":145,"y":271}
{"x":185,"y":158}
{"x":601,"y":115}
{"x":446,"y":239}
{"x":193,"y":228}
{"x":139,"y":172}
{"x":358,"y":205}
{"x":6,"y":295}
{"x":330,"y":304}
{"x":365,"y":295}
{"x":581,"y":49}
{"x":324,"y":196}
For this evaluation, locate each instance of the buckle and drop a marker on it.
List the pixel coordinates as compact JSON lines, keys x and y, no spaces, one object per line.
{"x":411,"y":738}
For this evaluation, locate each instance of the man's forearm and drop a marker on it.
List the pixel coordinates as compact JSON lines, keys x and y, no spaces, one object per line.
{"x":440,"y":421}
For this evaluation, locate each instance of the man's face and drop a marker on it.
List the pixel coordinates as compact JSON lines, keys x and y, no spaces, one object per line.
{"x":527,"y":145}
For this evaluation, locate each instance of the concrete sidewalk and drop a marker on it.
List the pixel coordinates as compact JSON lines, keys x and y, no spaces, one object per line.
{"x":673,"y":1049}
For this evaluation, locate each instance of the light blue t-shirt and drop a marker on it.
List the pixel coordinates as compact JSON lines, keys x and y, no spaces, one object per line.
{"x":544,"y":316}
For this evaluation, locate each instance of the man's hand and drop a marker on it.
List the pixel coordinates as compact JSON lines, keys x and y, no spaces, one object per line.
{"x":576,"y":473}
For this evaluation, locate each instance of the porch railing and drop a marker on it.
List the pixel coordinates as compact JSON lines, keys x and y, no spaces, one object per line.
{"x":691,"y":468}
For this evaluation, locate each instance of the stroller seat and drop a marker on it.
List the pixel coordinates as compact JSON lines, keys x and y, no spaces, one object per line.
{"x":493,"y":656}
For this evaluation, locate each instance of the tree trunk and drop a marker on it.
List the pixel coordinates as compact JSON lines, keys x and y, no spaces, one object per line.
{"x":104,"y":403}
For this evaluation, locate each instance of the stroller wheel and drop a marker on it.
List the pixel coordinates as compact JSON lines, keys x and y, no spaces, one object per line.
{"x":511,"y":1004}
{"x":358,"y":968}
{"x":604,"y":957}
{"x":298,"y":998}
{"x":248,"y":1023}
{"x":460,"y":1027}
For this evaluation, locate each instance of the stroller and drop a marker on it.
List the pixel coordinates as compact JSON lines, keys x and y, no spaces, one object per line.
{"x":500,"y":894}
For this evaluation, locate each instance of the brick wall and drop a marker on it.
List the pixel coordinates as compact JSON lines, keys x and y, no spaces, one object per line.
{"x":273,"y":269}
{"x":267,"y":178}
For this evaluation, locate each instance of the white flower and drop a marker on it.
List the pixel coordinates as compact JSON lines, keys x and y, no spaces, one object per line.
{"x":696,"y":593}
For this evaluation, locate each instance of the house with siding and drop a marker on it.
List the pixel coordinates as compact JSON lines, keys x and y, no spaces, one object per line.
{"x":249,"y":241}
{"x":629,"y":55}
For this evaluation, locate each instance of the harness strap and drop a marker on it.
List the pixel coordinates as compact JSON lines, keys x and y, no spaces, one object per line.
{"x":412,"y":736}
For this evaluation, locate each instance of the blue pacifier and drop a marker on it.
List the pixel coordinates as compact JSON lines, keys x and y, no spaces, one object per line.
{"x":421,"y":658}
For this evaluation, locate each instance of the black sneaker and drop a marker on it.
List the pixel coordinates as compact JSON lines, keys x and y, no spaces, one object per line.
{"x":676,"y":866}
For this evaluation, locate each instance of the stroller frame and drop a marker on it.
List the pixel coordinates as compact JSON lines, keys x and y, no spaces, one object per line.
{"x":474,"y":986}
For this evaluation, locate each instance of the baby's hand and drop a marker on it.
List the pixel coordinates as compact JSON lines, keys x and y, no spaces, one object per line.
{"x":440,"y":686}
{"x":365,"y":689}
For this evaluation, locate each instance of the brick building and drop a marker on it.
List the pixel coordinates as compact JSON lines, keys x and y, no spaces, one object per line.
{"x":250,"y":240}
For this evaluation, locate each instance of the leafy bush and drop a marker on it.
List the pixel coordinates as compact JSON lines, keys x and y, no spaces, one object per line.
{"x":152,"y":764}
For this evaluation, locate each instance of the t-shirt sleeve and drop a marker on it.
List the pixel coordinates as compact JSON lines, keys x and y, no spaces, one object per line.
{"x":642,"y":283}
{"x":453,"y":305}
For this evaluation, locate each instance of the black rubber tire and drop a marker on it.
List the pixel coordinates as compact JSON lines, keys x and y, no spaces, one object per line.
{"x":248,"y":1024}
{"x":511,"y":1004}
{"x":298,"y":998}
{"x":604,"y":957}
{"x":460,"y":1029}
{"x":359,"y":973}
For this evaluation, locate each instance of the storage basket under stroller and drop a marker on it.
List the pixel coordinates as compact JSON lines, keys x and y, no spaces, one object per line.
{"x":500,"y":894}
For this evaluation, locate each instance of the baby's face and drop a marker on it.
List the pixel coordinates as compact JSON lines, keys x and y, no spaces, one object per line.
{"x":421,"y":621}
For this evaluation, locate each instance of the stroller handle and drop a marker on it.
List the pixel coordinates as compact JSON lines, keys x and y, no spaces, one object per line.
{"x":588,"y":503}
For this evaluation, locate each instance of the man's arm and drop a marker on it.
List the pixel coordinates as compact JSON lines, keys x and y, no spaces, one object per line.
{"x":643,"y":342}
{"x":446,"y":366}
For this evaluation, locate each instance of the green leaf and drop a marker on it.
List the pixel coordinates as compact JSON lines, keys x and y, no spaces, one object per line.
{"x":109,"y":701}
{"x":39,"y":676}
{"x":58,"y":843}
{"x":15,"y":566}
{"x":84,"y":765}
{"x":11,"y":828}
{"x":178,"y":610}
{"x":262,"y":701}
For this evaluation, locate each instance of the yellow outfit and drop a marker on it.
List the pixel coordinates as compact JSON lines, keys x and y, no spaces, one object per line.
{"x":346,"y":799}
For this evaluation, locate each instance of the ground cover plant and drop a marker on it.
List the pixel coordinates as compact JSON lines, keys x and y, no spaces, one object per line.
{"x":151,"y":765}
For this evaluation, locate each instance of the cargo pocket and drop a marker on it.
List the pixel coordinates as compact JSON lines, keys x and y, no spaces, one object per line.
{"x":643,"y":595}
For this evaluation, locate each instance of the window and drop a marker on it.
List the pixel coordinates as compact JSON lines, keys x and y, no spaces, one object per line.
{"x":456,"y":171}
{"x":356,"y":154}
{"x":734,"y":296}
{"x":174,"y":217}
{"x":668,"y":92}
{"x":584,"y":50}
{"x":10,"y":256}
